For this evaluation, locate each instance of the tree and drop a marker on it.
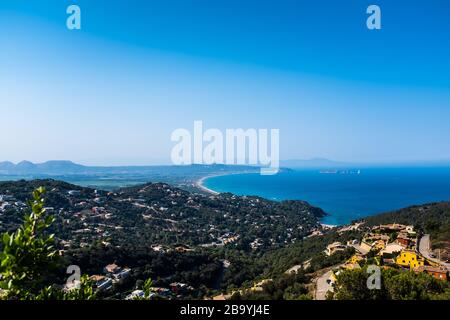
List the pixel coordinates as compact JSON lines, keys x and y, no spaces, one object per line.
{"x":29,"y":254}
{"x":352,"y":285}
{"x":395,"y":285}
{"x":147,"y":288}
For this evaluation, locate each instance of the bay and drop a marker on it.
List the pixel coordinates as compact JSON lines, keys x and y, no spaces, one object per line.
{"x":345,"y":195}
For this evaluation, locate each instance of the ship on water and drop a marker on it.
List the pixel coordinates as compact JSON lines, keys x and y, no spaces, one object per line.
{"x":357,"y":172}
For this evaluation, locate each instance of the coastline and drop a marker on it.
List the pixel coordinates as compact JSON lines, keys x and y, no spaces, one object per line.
{"x":199,"y":183}
{"x":328,"y":226}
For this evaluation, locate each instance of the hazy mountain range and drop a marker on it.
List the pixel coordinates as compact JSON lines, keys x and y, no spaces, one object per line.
{"x":65,"y":167}
{"x":46,"y":167}
{"x":60,"y":167}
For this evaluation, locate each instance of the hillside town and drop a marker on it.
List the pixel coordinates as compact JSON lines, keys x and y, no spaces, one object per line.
{"x":196,"y":246}
{"x":388,"y":246}
{"x":89,"y":215}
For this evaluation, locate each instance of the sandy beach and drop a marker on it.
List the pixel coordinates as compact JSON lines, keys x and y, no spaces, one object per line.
{"x":328,"y":226}
{"x":199,"y":182}
{"x":200,"y":185}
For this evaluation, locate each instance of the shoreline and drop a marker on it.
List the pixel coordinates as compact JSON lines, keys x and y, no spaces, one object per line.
{"x":199,"y":183}
{"x":328,"y":226}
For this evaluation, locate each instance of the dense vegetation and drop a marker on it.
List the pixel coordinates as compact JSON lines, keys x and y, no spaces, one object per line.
{"x":160,"y":214}
{"x":207,"y":242}
{"x":156,"y":214}
{"x":199,"y":269}
{"x":395,"y":285}
{"x":286,"y":287}
{"x":28,"y":260}
{"x":433,"y":218}
{"x":278,"y":261}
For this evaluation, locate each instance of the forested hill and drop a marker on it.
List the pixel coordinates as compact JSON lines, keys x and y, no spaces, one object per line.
{"x":422,"y":216}
{"x":216,"y":242}
{"x":158,"y":214}
{"x":432,"y":218}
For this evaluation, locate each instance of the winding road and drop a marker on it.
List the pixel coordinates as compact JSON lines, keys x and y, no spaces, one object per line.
{"x":322,"y":286}
{"x":424,"y":249}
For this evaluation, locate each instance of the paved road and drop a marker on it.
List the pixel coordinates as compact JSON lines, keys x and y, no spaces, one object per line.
{"x":294,"y":269}
{"x":424,"y":249}
{"x":322,"y":287}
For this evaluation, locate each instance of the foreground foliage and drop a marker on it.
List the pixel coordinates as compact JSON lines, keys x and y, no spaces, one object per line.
{"x":395,"y":285}
{"x":28,"y":256}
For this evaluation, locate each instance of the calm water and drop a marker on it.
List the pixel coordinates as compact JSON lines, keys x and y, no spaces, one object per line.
{"x":345,"y":196}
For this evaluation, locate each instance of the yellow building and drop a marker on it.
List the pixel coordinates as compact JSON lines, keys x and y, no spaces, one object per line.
{"x":351,"y":266}
{"x":409,"y":258}
{"x":379,"y":245}
{"x":355,"y":259}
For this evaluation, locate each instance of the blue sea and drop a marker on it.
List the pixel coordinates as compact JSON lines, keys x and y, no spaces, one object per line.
{"x":344,"y":195}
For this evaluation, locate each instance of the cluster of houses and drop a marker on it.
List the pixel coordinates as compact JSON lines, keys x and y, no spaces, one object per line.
{"x":93,"y":217}
{"x":255,"y":244}
{"x":176,"y":289}
{"x":8,"y":202}
{"x":391,"y":245}
{"x":222,"y":240}
{"x":112,"y":274}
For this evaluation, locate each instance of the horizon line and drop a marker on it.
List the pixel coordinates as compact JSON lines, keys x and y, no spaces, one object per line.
{"x":307,"y":162}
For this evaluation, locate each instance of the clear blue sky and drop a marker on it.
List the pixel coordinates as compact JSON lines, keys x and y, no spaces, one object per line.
{"x":112,"y":92}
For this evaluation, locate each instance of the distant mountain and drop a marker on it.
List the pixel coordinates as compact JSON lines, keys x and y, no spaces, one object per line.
{"x":64,"y":167}
{"x":25,"y":165}
{"x":314,"y":163}
{"x":60,"y":165}
{"x":6,"y":165}
{"x":49,"y":167}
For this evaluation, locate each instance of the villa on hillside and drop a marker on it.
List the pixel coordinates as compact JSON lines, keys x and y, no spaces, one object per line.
{"x":410,"y":258}
{"x":437,"y":272}
{"x":393,"y":246}
{"x":393,"y":227}
{"x":335,"y":247}
{"x":112,"y":268}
